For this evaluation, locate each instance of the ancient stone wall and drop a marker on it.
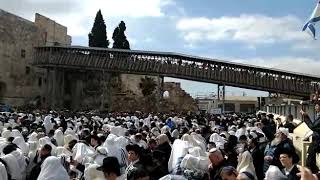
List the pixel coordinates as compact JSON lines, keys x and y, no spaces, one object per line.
{"x":20,"y":82}
{"x":54,"y":33}
{"x":178,"y":100}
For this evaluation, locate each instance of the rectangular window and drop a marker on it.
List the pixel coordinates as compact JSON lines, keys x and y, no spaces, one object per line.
{"x":23,"y":53}
{"x":27,"y":70}
{"x":40,"y":82}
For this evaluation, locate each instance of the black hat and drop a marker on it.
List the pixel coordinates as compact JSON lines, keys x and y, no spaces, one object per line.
{"x":110,"y":164}
{"x":291,"y":153}
{"x":134,"y":147}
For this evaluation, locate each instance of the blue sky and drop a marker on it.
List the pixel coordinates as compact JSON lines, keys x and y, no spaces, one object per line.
{"x":260,"y":32}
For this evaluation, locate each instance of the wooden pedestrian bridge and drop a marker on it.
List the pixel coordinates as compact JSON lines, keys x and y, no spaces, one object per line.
{"x":176,"y":65}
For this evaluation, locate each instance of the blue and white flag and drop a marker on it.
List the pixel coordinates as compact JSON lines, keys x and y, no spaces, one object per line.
{"x":315,"y":17}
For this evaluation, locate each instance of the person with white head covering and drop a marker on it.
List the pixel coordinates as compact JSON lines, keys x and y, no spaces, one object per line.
{"x":47,"y":123}
{"x":175,"y":134}
{"x":46,"y":140}
{"x":16,"y":133}
{"x":92,"y":173}
{"x":33,"y":137}
{"x":6,"y":134}
{"x":274,"y":173}
{"x":218,"y":140}
{"x":59,"y":137}
{"x":19,"y":141}
{"x":245,"y":165}
{"x":13,"y":166}
{"x":3,"y":170}
{"x":114,"y":150}
{"x":52,"y":169}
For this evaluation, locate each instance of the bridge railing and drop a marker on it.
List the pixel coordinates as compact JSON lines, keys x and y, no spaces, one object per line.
{"x":177,"y":65}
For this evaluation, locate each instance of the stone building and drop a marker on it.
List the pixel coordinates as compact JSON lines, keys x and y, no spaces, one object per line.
{"x":20,"y":82}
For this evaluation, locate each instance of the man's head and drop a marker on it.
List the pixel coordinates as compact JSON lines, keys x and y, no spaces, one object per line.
{"x":288,"y":157}
{"x":134,"y":152}
{"x":228,"y":173}
{"x":45,"y":150}
{"x":95,"y":140}
{"x":110,"y":167}
{"x":215,"y":156}
{"x":290,"y":118}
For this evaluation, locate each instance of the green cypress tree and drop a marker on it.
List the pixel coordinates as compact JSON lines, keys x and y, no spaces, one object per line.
{"x":98,"y":34}
{"x":119,"y":38}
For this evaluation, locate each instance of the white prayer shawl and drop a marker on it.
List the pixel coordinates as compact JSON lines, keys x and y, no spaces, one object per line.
{"x":62,"y":151}
{"x":52,"y":169}
{"x":240,"y":132}
{"x":3,"y":172}
{"x":146,"y":122}
{"x":18,"y":154}
{"x":179,"y":150}
{"x":83,"y":153}
{"x":118,"y":131}
{"x":189,"y":139}
{"x":197,"y":152}
{"x":6,"y":134}
{"x":16,"y":133}
{"x":91,"y":173}
{"x":155,"y":131}
{"x":245,"y":163}
{"x":46,"y":140}
{"x":59,"y":137}
{"x":122,"y":142}
{"x":13,"y":166}
{"x":33,"y":137}
{"x":33,"y":146}
{"x":71,"y":132}
{"x":136,"y":123}
{"x":113,"y":149}
{"x":19,"y":141}
{"x":165,"y":129}
{"x":47,"y":124}
{"x":274,"y":173}
{"x":195,"y":163}
{"x":218,"y":140}
{"x":199,"y":140}
{"x":175,"y":134}
{"x":68,"y":138}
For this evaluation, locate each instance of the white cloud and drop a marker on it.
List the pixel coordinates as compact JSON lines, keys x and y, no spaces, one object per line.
{"x":250,"y":29}
{"x":76,"y":15}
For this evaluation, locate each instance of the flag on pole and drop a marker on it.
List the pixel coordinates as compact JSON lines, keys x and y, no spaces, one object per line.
{"x":314,"y":18}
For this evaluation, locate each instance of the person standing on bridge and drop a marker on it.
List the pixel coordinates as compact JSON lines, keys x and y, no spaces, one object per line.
{"x":314,"y":147}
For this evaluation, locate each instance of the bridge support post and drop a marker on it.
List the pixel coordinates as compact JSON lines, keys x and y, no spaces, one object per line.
{"x":222,"y":92}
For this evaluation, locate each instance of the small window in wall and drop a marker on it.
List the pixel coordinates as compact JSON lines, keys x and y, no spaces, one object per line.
{"x":40,"y":81}
{"x":28,"y":70}
{"x":23,"y":53}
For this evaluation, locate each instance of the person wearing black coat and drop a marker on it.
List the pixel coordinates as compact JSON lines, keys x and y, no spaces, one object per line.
{"x":257,"y":156}
{"x":314,"y":147}
{"x":289,"y":159}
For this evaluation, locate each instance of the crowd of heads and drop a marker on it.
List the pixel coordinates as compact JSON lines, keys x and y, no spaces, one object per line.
{"x":59,"y":145}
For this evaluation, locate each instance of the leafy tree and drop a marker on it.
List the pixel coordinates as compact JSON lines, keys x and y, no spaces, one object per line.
{"x":119,"y":38}
{"x":98,"y":34}
{"x":147,"y":86}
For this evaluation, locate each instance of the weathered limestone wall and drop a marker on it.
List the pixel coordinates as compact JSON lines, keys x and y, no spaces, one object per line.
{"x":178,"y":100}
{"x":131,"y":82}
{"x":20,"y":82}
{"x":54,"y":33}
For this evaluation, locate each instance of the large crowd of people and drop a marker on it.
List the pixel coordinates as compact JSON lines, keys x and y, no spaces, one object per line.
{"x":137,"y":146}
